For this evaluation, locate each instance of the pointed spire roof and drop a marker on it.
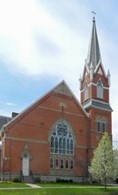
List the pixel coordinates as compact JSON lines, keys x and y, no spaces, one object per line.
{"x":94,"y":56}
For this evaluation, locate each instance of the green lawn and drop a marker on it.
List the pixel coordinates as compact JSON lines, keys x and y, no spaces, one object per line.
{"x":12,"y":184}
{"x":68,"y":184}
{"x":58,"y":189}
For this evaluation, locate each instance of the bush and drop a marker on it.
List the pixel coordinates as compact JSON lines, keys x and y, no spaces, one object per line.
{"x":117,"y":180}
{"x":58,"y":180}
{"x":16,"y":179}
{"x":37,"y":180}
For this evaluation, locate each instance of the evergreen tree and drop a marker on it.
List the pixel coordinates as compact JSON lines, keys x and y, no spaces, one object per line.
{"x":102,"y":163}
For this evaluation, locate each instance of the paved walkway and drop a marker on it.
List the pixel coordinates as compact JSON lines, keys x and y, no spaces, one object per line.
{"x":33,"y":185}
{"x":22,"y":188}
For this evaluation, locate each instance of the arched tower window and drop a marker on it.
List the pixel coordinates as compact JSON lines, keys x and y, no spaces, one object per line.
{"x":86,"y":95}
{"x":100,"y":89}
{"x":101,"y":124}
{"x":61,"y":141}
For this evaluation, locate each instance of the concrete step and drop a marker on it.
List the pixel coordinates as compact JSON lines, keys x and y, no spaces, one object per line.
{"x":27,"y":179}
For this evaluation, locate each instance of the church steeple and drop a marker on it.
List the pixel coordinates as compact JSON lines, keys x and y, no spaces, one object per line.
{"x":94,"y":85}
{"x":94,"y":56}
{"x":94,"y":93}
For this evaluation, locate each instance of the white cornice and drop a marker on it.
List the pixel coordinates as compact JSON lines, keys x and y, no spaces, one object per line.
{"x":94,"y":84}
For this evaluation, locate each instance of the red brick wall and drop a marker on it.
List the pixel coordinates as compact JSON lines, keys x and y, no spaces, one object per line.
{"x":33,"y":127}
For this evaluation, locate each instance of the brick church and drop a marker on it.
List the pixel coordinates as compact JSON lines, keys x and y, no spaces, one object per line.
{"x":54,"y":138}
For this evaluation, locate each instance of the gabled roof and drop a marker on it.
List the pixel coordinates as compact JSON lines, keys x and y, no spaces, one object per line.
{"x":61,"y":88}
{"x":94,"y":55}
{"x":100,"y":66}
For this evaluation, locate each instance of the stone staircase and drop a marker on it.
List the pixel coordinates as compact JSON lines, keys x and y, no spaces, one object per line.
{"x":27,"y":179}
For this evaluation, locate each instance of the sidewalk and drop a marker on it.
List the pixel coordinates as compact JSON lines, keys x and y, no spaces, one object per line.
{"x":33,"y":185}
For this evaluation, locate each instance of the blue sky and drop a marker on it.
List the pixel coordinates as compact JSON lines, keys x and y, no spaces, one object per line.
{"x":43,"y":42}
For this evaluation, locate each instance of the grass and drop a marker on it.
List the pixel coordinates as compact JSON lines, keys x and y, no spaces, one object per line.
{"x":68,"y":184}
{"x":57,"y":189}
{"x":12,"y":185}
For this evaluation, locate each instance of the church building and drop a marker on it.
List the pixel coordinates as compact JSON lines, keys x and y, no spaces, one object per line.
{"x":54,"y":138}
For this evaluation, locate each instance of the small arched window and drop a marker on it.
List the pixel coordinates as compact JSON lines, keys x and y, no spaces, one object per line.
{"x":71,"y":164}
{"x":86,"y":95}
{"x":51,"y":163}
{"x":62,"y":163}
{"x":100,"y":89}
{"x":98,"y":122}
{"x":101,"y":124}
{"x":66,"y":164}
{"x":57,"y":163}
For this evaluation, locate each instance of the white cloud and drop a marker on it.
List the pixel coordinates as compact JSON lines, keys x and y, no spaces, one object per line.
{"x":24,"y":25}
{"x":10,"y":104}
{"x":37,"y":39}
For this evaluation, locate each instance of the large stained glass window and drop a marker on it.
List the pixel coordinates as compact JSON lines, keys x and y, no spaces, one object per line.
{"x":61,"y":139}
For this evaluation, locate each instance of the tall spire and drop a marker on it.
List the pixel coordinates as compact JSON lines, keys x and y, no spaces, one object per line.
{"x":94,"y":56}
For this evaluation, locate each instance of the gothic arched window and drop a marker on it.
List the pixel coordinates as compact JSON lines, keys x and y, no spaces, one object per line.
{"x":61,"y":141}
{"x":100,"y":89}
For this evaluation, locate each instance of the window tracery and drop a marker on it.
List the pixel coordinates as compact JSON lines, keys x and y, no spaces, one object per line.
{"x":62,"y":139}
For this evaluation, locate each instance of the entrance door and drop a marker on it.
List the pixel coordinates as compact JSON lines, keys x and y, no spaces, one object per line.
{"x":25,"y":165}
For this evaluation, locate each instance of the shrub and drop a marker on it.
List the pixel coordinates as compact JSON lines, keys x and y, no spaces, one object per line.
{"x":16,"y":179}
{"x":58,"y":180}
{"x":37,"y":180}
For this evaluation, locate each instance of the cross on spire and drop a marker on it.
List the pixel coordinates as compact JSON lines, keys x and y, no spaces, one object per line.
{"x":94,"y":13}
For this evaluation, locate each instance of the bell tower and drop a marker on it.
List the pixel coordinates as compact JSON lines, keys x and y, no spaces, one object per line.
{"x":94,"y":92}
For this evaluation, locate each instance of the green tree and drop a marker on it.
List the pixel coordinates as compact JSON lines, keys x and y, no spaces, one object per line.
{"x":102,"y":163}
{"x":115,"y":157}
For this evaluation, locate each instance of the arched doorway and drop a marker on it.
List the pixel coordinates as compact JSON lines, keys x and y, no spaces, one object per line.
{"x":25,"y":164}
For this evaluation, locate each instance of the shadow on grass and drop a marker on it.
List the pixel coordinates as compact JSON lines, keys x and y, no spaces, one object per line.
{"x":109,"y":191}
